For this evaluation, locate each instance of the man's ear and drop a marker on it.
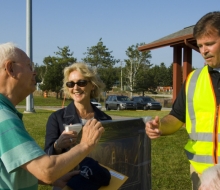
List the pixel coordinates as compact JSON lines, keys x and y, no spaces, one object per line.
{"x":9,"y":68}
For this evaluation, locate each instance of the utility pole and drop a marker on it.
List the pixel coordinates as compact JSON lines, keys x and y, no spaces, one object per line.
{"x":121,"y":77}
{"x":131,"y":77}
{"x":29,"y":98}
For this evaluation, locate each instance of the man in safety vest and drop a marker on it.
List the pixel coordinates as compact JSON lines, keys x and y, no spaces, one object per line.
{"x":197,"y":104}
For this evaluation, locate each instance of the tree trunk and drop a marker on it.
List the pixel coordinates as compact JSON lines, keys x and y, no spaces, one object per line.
{"x":61,"y":94}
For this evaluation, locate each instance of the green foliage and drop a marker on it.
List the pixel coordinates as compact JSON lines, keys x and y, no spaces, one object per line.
{"x":138,"y":73}
{"x":135,"y":65}
{"x":162,"y":75}
{"x":144,"y":80}
{"x":54,"y":66}
{"x":150,"y":78}
{"x":100,"y":58}
{"x":170,"y":75}
{"x":40,"y":70}
{"x":109,"y":76}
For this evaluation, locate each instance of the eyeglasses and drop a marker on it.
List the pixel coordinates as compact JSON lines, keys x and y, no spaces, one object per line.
{"x":80,"y":83}
{"x":31,"y":65}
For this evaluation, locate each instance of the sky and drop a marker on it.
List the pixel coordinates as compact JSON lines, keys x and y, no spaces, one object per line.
{"x":81,"y":23}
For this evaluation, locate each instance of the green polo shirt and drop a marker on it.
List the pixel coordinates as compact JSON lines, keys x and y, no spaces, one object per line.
{"x":17,"y":147}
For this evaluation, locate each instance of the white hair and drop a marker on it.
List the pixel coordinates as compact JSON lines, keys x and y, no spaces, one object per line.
{"x":7,"y":51}
{"x":210,"y":178}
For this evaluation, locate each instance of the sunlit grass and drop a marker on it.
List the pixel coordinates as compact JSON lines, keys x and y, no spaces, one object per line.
{"x":170,"y":167}
{"x":49,"y":101}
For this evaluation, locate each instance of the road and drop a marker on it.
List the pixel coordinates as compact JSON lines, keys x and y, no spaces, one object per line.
{"x":54,"y":108}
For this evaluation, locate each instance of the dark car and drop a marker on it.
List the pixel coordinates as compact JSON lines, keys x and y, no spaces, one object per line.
{"x":146,"y":103}
{"x":117,"y":102}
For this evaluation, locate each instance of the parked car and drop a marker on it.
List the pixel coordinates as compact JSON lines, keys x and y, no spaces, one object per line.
{"x":117,"y":102}
{"x":146,"y":103}
{"x":96,"y":103}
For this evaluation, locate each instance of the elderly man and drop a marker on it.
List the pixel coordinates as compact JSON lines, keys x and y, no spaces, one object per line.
{"x":23,"y":164}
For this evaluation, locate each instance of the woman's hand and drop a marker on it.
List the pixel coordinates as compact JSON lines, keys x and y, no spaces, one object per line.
{"x":61,"y":182}
{"x":66,"y":140}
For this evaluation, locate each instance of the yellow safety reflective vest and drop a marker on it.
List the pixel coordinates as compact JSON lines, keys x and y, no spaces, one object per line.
{"x":202,"y":121}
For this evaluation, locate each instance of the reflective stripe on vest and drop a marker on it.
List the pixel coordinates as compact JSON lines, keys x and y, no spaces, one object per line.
{"x":199,"y":158}
{"x":191,"y":91}
{"x":201,"y":120}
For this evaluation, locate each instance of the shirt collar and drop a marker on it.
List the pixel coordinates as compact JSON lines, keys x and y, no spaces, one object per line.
{"x":216,"y":69}
{"x":210,"y":69}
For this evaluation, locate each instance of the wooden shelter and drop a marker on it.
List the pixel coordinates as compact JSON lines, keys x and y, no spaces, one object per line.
{"x":182,"y":43}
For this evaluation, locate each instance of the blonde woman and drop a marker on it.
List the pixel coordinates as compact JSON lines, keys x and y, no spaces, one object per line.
{"x":81,"y":83}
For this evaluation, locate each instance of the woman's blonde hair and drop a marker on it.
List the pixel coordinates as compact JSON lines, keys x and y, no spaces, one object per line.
{"x":89,"y":73}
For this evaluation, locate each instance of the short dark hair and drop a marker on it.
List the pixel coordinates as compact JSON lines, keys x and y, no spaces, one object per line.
{"x":208,"y":24}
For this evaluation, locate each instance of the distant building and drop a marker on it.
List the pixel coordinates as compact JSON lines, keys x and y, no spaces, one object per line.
{"x":164,"y":89}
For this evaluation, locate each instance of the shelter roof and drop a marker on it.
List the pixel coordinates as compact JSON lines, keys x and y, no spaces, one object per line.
{"x":179,"y":38}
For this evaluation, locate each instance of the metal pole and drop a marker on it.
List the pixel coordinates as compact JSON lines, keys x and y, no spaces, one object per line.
{"x":121,"y":78}
{"x":131,"y":78}
{"x":29,"y":98}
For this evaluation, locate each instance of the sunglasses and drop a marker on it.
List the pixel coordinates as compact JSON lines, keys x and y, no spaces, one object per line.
{"x":80,"y":83}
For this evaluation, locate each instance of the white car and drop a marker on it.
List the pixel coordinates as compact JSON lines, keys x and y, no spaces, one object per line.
{"x":96,"y":103}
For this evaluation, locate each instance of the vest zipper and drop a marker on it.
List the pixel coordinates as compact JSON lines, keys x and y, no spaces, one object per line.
{"x":216,"y":137}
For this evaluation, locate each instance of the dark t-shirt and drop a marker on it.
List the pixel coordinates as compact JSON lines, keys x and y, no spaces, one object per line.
{"x":179,"y":106}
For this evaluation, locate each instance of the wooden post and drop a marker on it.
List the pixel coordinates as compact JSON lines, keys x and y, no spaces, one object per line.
{"x":177,"y":74}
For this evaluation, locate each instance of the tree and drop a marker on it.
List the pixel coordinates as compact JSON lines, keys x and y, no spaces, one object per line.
{"x":137,"y":60}
{"x":144,"y":80}
{"x":162,"y":75}
{"x":109,"y":76}
{"x":53,"y":77}
{"x":170,"y":75}
{"x":40,"y":70}
{"x":100,"y":57}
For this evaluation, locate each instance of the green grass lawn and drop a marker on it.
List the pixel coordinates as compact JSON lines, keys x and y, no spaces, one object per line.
{"x":49,"y":101}
{"x":170,"y":167}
